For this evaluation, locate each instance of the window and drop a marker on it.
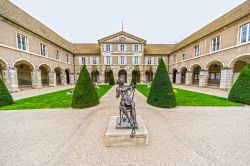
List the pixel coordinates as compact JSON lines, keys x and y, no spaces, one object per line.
{"x":122,"y":60}
{"x":159,"y":60}
{"x":174,"y":58}
{"x":21,"y":42}
{"x":67,"y":58}
{"x":43,"y":49}
{"x":136,"y":60}
{"x":197,"y":50}
{"x":214,"y":76}
{"x":57,"y":55}
{"x":108,"y":47}
{"x":245,"y":33}
{"x":94,"y":60}
{"x":136,"y":48}
{"x":216,"y":43}
{"x":184,"y":56}
{"x":83,"y":60}
{"x":108,"y":60}
{"x":122,"y":48}
{"x":149,"y":62}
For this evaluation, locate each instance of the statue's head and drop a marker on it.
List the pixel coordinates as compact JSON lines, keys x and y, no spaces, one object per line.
{"x":120,"y":81}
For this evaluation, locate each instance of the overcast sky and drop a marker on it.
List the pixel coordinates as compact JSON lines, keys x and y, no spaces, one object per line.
{"x":157,"y":21}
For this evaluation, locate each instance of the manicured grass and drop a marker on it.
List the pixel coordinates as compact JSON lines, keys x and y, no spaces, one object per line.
{"x":189,"y":98}
{"x":58,"y":99}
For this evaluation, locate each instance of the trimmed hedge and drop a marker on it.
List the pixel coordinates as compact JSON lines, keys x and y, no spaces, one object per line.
{"x":85,"y":94}
{"x":5,"y":96}
{"x":133,"y":79}
{"x":240,"y":91}
{"x":111,"y":79}
{"x":161,"y":93}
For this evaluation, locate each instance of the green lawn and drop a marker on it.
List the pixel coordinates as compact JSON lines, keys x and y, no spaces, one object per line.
{"x":58,"y":99}
{"x":189,"y":98}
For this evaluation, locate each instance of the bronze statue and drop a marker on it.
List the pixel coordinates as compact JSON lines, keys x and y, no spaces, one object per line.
{"x":127,"y":105}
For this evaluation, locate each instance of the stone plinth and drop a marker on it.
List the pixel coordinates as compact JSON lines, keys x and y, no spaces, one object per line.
{"x":122,"y":137}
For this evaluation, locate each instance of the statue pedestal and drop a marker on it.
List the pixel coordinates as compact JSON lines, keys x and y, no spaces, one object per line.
{"x":122,"y":137}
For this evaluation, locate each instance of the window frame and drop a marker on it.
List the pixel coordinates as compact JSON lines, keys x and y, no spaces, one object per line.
{"x":217,"y":38}
{"x":247,"y":33}
{"x":43,"y":50}
{"x":197,"y":53}
{"x":21,"y":42}
{"x":58,"y":56}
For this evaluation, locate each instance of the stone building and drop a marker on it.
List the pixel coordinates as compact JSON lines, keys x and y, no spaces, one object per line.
{"x":32,"y":55}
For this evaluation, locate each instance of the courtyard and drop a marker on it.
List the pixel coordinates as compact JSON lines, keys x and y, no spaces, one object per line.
{"x":179,"y":136}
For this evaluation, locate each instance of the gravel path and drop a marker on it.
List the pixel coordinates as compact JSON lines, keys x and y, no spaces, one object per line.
{"x":180,"y":136}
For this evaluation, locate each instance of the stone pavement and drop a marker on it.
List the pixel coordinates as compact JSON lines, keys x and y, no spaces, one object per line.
{"x":206,"y":90}
{"x":35,"y":92}
{"x":180,"y":136}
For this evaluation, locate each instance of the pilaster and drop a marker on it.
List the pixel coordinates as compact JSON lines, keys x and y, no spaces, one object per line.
{"x":226,"y":80}
{"x":203,"y":78}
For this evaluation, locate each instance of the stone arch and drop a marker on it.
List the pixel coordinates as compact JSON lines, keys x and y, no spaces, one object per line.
{"x":107,"y":75}
{"x":149,"y":76}
{"x":136,"y":74}
{"x":174,"y":74}
{"x":24,"y":70}
{"x":195,"y":69}
{"x":67,"y":76}
{"x":244,"y":57}
{"x":45,"y":70}
{"x":238,"y":63}
{"x":58,"y":71}
{"x":123,"y":75}
{"x":3,"y":66}
{"x":214,"y":73}
{"x":95,"y":75}
{"x":183,"y":72}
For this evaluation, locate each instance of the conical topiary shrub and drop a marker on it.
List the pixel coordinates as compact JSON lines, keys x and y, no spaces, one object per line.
{"x":111,"y":79}
{"x":133,"y":79}
{"x":240,"y":91}
{"x":5,"y":96}
{"x":161,"y":93}
{"x":85,"y":94}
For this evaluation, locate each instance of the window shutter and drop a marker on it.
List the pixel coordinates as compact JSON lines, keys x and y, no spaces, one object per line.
{"x":111,"y":49}
{"x":152,"y":60}
{"x":97,"y":60}
{"x":133,"y":60}
{"x":104,"y":47}
{"x":146,"y":60}
{"x":125,"y":60}
{"x":80,"y":60}
{"x":105,"y":60}
{"x":111,"y":59}
{"x":91,"y":60}
{"x":86,"y":60}
{"x":125,"y":47}
{"x":119,"y":60}
{"x":139,"y":48}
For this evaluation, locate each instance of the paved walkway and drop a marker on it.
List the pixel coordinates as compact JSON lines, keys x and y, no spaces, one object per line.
{"x":210,"y":91}
{"x":35,"y":92}
{"x":180,"y":136}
